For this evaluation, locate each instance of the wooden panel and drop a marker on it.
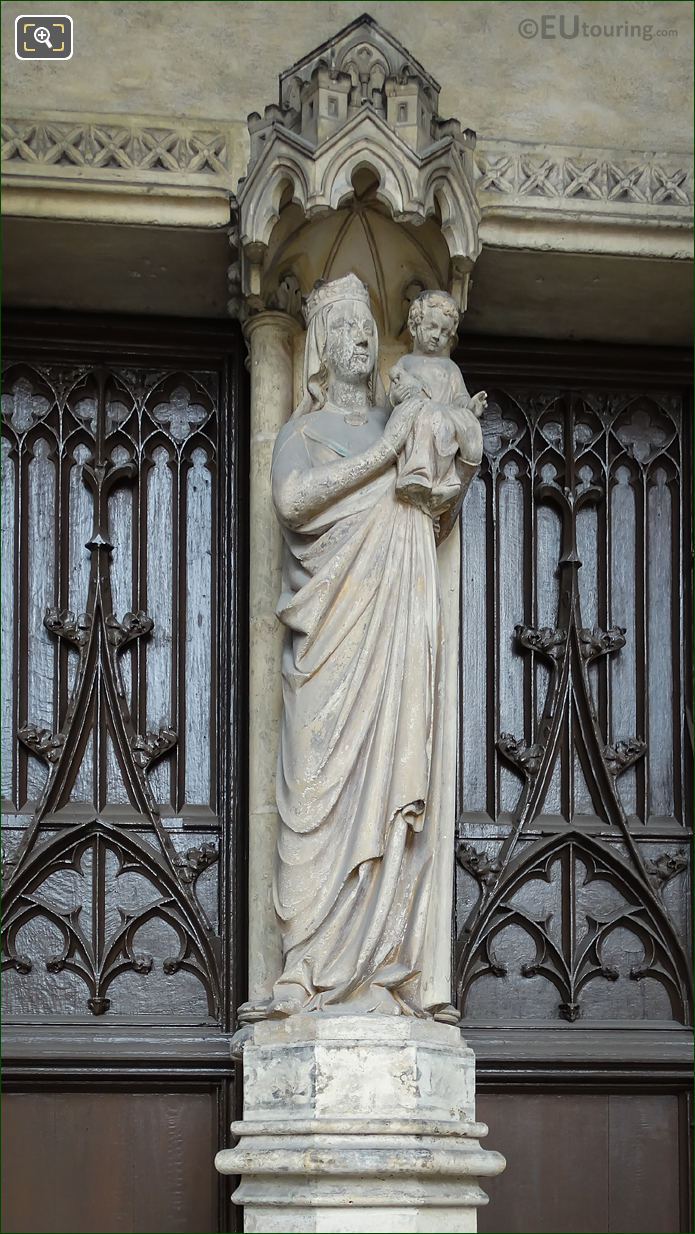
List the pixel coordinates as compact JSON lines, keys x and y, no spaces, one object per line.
{"x":123,"y":474}
{"x":568,"y":891}
{"x":109,"y":1161}
{"x":553,"y":1145}
{"x":643,"y":1164}
{"x":121,"y":462}
{"x":598,"y":1163}
{"x":570,"y":874}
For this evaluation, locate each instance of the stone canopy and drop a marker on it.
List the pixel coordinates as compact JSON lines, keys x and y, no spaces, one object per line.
{"x":358,"y":106}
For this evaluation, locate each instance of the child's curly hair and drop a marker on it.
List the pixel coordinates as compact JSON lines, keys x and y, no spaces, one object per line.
{"x":434,"y":299}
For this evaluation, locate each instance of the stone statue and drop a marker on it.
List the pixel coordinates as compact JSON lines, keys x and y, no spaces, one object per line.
{"x":363,"y":499}
{"x":443,"y":429}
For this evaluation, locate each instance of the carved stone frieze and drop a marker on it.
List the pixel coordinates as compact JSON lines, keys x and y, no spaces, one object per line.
{"x":565,"y":198}
{"x":424,"y":163}
{"x":116,"y":144}
{"x":557,"y":174}
{"x":94,"y":167}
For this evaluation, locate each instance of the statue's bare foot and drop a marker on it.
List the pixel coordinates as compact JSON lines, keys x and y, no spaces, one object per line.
{"x":447,"y":1015}
{"x":280,"y":1008}
{"x":253,"y":1011}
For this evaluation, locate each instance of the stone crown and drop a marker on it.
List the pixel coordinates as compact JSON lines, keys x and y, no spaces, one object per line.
{"x":347,"y":288}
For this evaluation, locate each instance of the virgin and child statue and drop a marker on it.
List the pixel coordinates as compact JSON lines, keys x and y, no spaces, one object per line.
{"x":365,"y":488}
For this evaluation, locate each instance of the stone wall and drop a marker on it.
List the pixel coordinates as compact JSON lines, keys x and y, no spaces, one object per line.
{"x":220,"y":61}
{"x":583,"y":150}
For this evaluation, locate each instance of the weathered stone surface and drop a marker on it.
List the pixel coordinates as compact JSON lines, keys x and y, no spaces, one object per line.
{"x":358,"y":1123}
{"x":632,"y":91}
{"x":365,"y":770}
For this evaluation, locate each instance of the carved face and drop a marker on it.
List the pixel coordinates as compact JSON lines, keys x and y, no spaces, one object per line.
{"x":351,"y":343}
{"x":433,"y":334}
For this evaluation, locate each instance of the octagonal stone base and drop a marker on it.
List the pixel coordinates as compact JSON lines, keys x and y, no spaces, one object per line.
{"x":358,"y":1123}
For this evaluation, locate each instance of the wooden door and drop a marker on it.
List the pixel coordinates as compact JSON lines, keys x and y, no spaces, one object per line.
{"x":123,"y":681}
{"x":574,"y":839}
{"x":122,"y":751}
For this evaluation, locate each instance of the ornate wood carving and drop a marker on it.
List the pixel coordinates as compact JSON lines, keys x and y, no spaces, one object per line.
{"x":578,"y":508}
{"x":104,"y":888}
{"x":94,"y":945}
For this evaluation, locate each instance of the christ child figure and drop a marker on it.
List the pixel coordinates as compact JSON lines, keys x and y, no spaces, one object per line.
{"x":445,"y":421}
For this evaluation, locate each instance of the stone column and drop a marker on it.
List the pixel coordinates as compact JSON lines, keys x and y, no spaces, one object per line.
{"x":358,"y":1123}
{"x":271,"y":341}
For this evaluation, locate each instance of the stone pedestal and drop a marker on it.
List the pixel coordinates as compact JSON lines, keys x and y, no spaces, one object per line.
{"x":358,"y":1123}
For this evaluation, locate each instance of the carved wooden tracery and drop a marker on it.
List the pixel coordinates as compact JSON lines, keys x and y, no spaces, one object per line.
{"x":111,"y":854}
{"x":571,"y":896}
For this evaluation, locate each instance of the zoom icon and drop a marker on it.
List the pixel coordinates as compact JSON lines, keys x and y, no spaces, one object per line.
{"x":43,"y":37}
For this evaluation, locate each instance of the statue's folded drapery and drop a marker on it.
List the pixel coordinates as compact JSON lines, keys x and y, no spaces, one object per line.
{"x":360,"y":744}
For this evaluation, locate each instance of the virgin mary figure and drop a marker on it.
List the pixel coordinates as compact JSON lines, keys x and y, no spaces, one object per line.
{"x":369,"y":692}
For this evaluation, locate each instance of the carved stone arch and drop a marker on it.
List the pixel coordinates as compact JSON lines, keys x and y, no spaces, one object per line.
{"x":362,"y":144}
{"x":458,"y":212}
{"x":571,"y":955}
{"x":373,"y":72}
{"x":363,"y":238}
{"x":264,"y":208}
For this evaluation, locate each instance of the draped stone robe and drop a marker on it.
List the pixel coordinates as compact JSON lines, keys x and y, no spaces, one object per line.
{"x":359,"y":781}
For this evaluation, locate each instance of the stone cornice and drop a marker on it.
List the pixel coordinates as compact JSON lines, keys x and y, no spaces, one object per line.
{"x":142,"y":169}
{"x":105,"y":145}
{"x":581,"y":199}
{"x":583,"y":178}
{"x":151,"y":170}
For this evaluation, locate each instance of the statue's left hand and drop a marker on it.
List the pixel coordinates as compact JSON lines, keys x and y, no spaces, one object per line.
{"x":478,"y":404}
